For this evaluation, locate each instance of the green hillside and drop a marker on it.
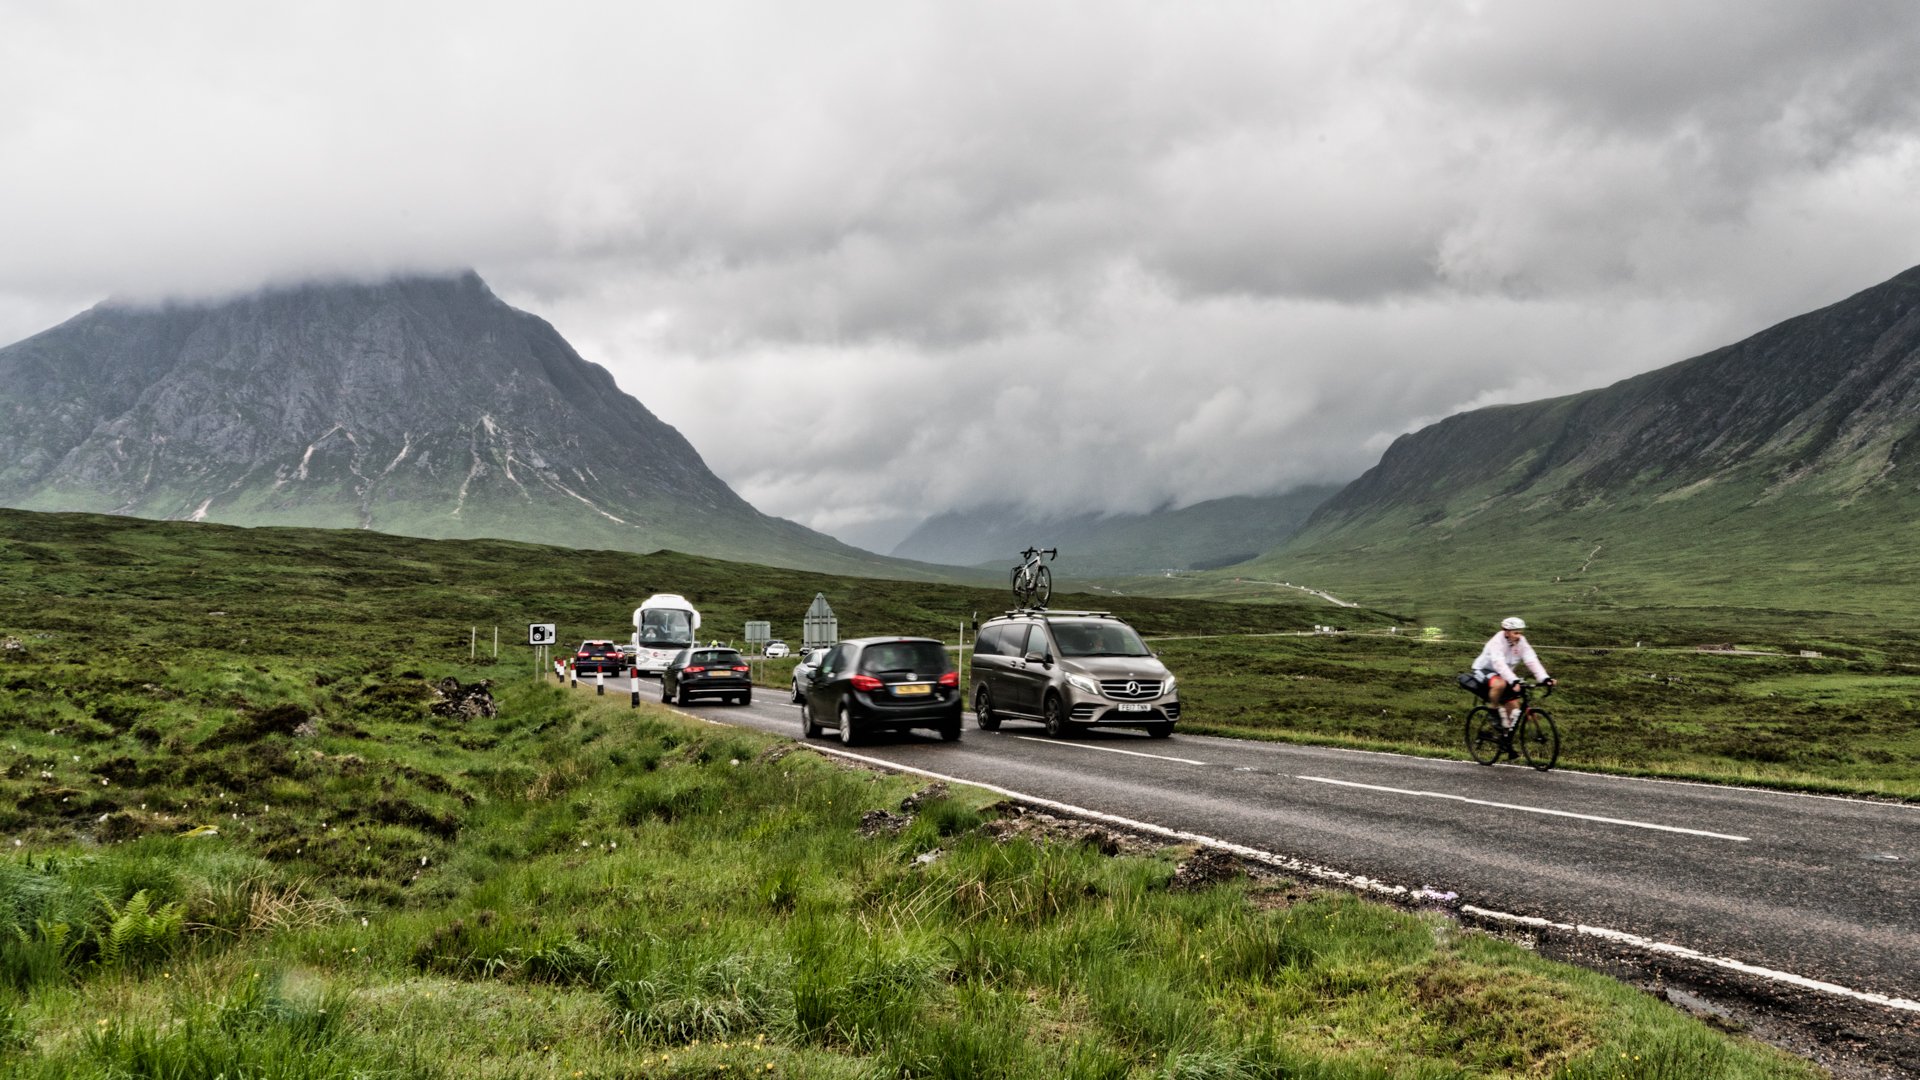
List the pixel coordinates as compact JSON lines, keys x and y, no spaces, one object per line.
{"x":1774,"y":474}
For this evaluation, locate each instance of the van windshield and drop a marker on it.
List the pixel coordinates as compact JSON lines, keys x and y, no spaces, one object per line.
{"x":1097,"y":638}
{"x":661,"y":627}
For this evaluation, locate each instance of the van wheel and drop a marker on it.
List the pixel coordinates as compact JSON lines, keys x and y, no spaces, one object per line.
{"x":1054,"y":712}
{"x":1159,"y":731}
{"x":847,"y":737}
{"x":983,"y":713}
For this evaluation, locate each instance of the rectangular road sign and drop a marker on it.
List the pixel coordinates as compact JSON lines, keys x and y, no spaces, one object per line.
{"x":758,"y":632}
{"x":541,"y":633}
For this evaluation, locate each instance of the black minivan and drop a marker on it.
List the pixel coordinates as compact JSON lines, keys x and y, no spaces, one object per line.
{"x":883,"y":684}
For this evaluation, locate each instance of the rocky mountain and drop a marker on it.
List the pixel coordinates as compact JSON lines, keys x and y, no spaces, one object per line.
{"x":423,"y":406}
{"x":1782,"y":466}
{"x":1218,"y":532}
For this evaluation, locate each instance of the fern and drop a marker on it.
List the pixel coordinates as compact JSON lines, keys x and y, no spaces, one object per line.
{"x":139,"y":930}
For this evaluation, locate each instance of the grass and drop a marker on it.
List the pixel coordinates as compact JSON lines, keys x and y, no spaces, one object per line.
{"x":690,"y":904}
{"x":245,"y":845}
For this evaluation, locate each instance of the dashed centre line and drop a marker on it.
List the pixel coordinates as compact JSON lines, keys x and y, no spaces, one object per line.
{"x":1527,"y":809}
{"x":1113,"y":750}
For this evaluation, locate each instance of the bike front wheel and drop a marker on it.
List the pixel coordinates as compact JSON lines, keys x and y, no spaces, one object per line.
{"x":1042,"y":586}
{"x":1483,"y":735}
{"x":1539,"y":739}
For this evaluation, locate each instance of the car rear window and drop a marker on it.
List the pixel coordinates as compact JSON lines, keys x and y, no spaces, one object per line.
{"x":717,"y":659}
{"x":922,"y":657}
{"x":599,"y":648}
{"x":1097,"y":638}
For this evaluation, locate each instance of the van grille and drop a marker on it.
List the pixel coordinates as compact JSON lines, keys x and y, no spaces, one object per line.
{"x":1130,"y":689}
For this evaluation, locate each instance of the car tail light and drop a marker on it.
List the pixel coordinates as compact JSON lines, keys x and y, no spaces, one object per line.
{"x":951,"y":678}
{"x":691,"y":670}
{"x":739,"y":667}
{"x":865,"y":682}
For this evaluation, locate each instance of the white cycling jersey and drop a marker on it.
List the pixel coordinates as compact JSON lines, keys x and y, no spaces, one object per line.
{"x":1499,"y":658}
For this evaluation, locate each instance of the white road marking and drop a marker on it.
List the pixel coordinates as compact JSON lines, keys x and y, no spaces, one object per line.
{"x":1718,"y":961}
{"x":1528,"y":809}
{"x":1367,"y":884}
{"x":1112,"y":750}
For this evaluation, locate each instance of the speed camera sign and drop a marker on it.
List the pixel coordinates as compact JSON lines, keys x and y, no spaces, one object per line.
{"x":541,"y":633}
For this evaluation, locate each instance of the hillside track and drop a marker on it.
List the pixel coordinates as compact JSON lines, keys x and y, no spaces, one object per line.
{"x":1819,"y":887}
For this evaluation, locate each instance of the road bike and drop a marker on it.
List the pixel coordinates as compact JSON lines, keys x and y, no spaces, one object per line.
{"x":1534,"y":737}
{"x":1032,"y":581}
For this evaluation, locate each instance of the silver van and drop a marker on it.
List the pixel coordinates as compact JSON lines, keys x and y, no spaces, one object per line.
{"x":1070,"y":670}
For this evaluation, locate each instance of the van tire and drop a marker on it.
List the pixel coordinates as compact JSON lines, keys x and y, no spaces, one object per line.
{"x":983,"y":713}
{"x":1054,"y":714}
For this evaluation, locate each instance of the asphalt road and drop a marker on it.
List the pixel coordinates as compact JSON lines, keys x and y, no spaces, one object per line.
{"x":1822,"y":888}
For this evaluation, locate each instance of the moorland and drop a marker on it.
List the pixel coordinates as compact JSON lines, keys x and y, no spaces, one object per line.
{"x":249,"y":837}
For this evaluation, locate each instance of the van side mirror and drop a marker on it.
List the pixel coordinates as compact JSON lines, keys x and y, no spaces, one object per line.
{"x":1035,"y":658}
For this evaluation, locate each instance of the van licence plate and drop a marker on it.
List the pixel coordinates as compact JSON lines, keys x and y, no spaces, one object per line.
{"x":913,"y":688}
{"x":1134,"y":708}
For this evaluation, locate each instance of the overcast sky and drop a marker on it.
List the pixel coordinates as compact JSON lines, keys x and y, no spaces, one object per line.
{"x":883,"y":260}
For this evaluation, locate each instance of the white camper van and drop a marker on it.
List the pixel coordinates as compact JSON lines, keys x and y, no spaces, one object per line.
{"x":663,"y":624}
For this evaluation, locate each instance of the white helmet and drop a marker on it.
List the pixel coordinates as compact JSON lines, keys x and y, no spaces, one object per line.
{"x":1514,"y":623}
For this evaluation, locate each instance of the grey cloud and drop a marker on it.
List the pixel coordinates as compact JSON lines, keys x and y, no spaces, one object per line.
{"x":1168,"y":252}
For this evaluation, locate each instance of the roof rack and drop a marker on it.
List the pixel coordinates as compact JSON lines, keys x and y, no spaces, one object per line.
{"x":1053,"y":611}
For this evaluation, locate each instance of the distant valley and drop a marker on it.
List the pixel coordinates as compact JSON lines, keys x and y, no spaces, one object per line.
{"x":1206,"y":535}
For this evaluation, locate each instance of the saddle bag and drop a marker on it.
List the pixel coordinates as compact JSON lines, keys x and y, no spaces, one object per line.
{"x":1472,"y":684}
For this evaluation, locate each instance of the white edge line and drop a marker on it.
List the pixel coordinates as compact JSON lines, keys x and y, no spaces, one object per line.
{"x":1527,"y":809}
{"x":1112,"y":750}
{"x":1650,"y":945}
{"x":1367,"y":884}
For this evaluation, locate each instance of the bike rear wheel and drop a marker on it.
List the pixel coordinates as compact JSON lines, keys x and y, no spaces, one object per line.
{"x":1483,"y":735}
{"x":1042,"y":586}
{"x":1539,"y":739}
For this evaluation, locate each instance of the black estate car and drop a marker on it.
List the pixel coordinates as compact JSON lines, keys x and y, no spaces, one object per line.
{"x":709,"y":673}
{"x":883,"y":684}
{"x":597,"y":656}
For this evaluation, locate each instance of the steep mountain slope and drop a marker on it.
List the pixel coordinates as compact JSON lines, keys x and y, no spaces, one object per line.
{"x":1775,"y":471}
{"x":423,"y":406}
{"x":1218,"y":532}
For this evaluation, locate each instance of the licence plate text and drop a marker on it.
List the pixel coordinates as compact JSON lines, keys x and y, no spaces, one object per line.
{"x":913,"y":688}
{"x":1134,"y":708}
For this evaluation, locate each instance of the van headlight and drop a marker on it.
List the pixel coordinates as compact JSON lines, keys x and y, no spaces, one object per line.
{"x":1167,"y":687}
{"x":1081,"y":682}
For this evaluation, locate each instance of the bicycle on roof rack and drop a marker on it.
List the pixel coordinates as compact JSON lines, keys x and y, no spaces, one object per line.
{"x":1032,"y":581}
{"x":1533,"y":736}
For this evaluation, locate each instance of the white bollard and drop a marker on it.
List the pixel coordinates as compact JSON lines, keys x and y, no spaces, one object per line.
{"x":600,"y":687}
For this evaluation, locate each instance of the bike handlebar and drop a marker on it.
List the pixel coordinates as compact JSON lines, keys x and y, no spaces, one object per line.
{"x":1031,"y":552}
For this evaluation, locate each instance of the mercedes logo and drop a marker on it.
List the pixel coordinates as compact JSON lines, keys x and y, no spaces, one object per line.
{"x":1133,"y":689}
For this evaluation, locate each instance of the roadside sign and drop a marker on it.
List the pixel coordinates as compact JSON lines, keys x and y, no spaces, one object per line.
{"x":758,"y":632}
{"x":541,"y":633}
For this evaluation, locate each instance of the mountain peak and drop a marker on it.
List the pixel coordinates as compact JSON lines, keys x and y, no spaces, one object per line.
{"x":421,"y":404}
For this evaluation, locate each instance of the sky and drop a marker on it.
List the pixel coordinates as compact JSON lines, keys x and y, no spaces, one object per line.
{"x":883,"y":260}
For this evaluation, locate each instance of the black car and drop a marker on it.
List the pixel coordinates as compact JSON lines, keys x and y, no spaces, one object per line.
{"x":597,"y":656}
{"x":883,"y":684}
{"x":709,"y":673}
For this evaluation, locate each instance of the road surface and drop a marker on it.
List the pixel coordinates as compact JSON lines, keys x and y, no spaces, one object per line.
{"x":1815,"y":887}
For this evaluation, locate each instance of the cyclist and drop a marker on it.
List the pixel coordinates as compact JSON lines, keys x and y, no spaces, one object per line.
{"x":1495,"y":665}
